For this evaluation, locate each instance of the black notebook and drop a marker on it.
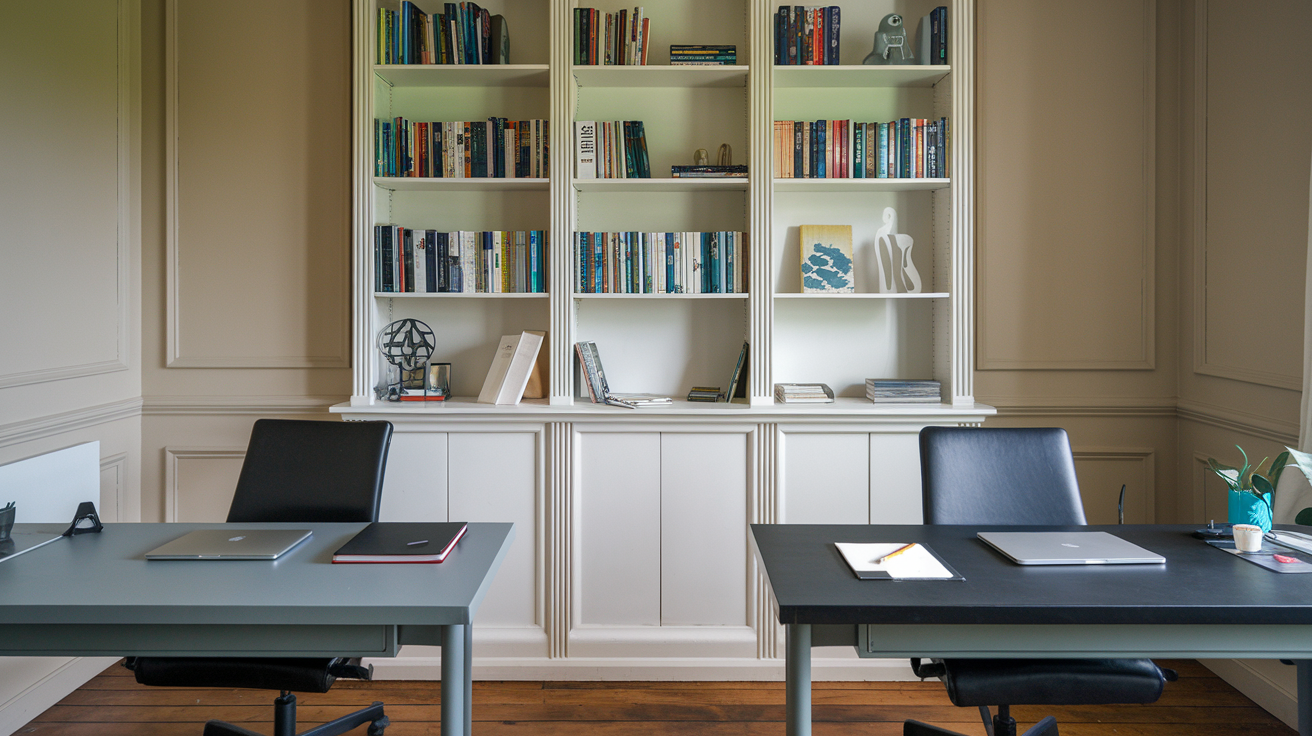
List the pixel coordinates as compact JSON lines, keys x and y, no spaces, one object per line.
{"x":384,"y":541}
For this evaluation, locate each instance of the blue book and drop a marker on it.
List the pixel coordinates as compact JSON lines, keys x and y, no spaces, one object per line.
{"x":820,"y":149}
{"x":598,"y":261}
{"x":669,"y":263}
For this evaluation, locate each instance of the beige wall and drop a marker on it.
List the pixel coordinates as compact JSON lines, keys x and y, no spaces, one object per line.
{"x":246,"y":118}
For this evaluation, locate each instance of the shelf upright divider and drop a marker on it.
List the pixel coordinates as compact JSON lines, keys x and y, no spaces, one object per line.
{"x":760,"y":119}
{"x":362,"y":203}
{"x":564,"y":202}
{"x":961,"y":375}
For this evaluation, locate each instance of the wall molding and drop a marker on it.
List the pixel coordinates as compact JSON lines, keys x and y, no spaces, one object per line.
{"x":1253,"y":425}
{"x":1060,"y":406}
{"x":173,"y":276}
{"x":1148,"y":264}
{"x":1201,"y":364}
{"x":119,"y":464}
{"x":221,"y":405}
{"x":1145,"y":455}
{"x":27,"y":430}
{"x":128,"y":50}
{"x":175,"y":455}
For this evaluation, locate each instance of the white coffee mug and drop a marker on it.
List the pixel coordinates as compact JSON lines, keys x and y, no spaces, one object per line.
{"x":1248,"y":537}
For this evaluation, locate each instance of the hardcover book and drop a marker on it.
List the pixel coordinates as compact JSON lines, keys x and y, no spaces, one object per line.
{"x":827,"y":259}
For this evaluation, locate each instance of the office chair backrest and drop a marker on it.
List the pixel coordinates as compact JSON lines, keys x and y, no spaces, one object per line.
{"x":972,"y":475}
{"x":304,"y":471}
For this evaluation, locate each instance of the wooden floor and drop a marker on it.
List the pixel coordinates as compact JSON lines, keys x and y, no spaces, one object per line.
{"x":113,"y":704}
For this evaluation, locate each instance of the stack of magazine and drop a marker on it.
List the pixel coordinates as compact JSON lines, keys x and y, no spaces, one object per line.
{"x":902,"y":392}
{"x":803,"y":393}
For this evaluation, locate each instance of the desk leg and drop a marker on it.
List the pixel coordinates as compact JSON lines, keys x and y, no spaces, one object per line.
{"x":1304,"y":696}
{"x":469,"y":679}
{"x":797,"y":679}
{"x":453,"y":680}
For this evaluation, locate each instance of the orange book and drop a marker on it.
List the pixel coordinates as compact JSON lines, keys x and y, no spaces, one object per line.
{"x":646,"y":38}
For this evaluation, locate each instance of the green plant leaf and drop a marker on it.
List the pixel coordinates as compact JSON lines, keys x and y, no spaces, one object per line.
{"x":1262,"y":486}
{"x":1228,"y":474}
{"x":1304,"y":517}
{"x":1278,"y":467}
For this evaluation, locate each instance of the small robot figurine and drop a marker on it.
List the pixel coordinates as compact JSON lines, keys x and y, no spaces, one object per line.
{"x":891,"y":45}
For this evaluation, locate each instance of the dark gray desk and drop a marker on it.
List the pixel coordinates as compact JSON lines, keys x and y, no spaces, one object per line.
{"x":97,"y":595}
{"x":1201,"y":603}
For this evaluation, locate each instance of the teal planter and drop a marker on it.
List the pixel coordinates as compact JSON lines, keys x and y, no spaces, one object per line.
{"x":1245,"y":508}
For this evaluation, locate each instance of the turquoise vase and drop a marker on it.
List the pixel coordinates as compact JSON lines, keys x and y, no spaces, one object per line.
{"x":1245,"y":508}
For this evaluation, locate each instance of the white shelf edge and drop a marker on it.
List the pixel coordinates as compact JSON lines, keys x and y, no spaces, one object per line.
{"x":660,"y":75}
{"x":743,"y":295}
{"x":925,"y":295}
{"x":463,"y":75}
{"x":859,"y":185}
{"x":850,"y":407}
{"x":857,"y":75}
{"x":482,"y":183}
{"x":662,"y":184}
{"x":456,"y":295}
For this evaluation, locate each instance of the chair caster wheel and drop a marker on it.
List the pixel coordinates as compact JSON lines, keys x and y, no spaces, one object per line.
{"x":376,"y":728}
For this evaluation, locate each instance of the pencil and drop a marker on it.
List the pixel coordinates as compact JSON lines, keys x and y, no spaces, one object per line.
{"x":894,"y":553}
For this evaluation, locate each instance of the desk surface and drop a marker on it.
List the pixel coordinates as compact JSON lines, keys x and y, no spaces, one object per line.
{"x":105,"y":579}
{"x":1197,"y":585}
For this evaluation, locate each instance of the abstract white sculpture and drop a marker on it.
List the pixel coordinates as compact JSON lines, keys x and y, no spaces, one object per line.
{"x":907,"y":276}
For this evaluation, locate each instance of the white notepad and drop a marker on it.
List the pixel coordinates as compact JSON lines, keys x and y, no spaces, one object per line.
{"x":917,"y":563}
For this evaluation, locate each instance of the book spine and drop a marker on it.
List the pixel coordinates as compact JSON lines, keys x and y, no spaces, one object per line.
{"x":832,"y":28}
{"x":585,"y":161}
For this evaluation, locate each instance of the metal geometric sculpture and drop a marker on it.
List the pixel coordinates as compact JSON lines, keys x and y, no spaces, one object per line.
{"x":407,"y":344}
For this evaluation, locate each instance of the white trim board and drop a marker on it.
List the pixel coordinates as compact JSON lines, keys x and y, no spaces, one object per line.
{"x":55,"y":678}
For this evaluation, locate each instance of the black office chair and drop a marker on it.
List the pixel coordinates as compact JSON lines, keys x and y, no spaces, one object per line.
{"x":981,"y":476}
{"x":303,"y":472}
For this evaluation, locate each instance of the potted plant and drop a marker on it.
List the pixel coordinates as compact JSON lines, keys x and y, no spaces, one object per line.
{"x":1251,"y":490}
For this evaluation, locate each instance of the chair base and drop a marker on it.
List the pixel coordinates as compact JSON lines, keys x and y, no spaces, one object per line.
{"x":1001,"y":724}
{"x":284,"y":722}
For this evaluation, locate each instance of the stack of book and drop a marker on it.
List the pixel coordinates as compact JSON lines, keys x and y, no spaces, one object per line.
{"x":909,"y":148}
{"x":593,"y":377}
{"x":706,"y":394}
{"x":433,"y":262}
{"x":709,"y":172}
{"x":806,"y":35}
{"x":496,"y":147}
{"x":660,"y":263}
{"x":703,"y":55}
{"x":902,"y":392}
{"x":463,"y":34}
{"x":611,"y":38}
{"x":803,"y":393}
{"x":611,"y":150}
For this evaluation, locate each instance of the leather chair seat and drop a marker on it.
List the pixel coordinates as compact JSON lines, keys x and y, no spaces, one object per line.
{"x":975,"y":682}
{"x":306,"y":675}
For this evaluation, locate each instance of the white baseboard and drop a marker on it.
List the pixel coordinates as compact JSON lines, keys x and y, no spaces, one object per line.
{"x":644,"y":669}
{"x":1271,"y":685}
{"x":51,"y":680}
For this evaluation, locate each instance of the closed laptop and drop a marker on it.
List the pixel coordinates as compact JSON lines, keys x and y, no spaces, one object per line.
{"x":1068,"y":548}
{"x":230,"y":544}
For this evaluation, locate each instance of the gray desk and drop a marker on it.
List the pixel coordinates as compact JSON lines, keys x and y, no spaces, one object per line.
{"x":1201,"y":603}
{"x":97,"y":595}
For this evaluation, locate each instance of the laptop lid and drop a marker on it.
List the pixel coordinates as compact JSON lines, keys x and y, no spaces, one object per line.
{"x":230,"y":544}
{"x":1068,"y":548}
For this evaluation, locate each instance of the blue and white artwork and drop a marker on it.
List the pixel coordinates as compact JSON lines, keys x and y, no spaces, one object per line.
{"x":827,"y":259}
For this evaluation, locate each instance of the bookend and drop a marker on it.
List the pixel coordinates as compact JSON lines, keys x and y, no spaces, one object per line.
{"x":85,"y":521}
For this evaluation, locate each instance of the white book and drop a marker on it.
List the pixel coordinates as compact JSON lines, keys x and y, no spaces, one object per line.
{"x":469,"y":260}
{"x":498,"y":267}
{"x":510,"y":369}
{"x":585,"y":149}
{"x":511,"y":150}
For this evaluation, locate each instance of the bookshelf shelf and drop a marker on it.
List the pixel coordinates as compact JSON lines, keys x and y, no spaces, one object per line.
{"x":860,"y":185}
{"x":925,"y":295}
{"x":868,"y":77}
{"x":665,"y":184}
{"x":489,"y":184}
{"x":473,"y":295}
{"x":659,"y":296}
{"x":463,"y":75}
{"x":661,"y":76}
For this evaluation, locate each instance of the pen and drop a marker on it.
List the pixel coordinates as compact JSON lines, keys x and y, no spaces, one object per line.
{"x":894,"y":553}
{"x":418,"y":541}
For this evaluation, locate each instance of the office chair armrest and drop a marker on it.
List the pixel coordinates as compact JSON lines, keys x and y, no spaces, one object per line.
{"x":930,"y":669}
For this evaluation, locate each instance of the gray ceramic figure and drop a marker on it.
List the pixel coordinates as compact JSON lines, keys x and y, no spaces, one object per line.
{"x":891,"y":46}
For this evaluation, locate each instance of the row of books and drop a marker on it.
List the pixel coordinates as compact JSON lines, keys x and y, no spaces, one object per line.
{"x":463,"y":34}
{"x":496,"y":147}
{"x":611,"y":38}
{"x":806,"y":35}
{"x":433,"y":262}
{"x":838,"y":149}
{"x":888,"y":391}
{"x":611,"y":150}
{"x":690,"y":55}
{"x":660,"y":263}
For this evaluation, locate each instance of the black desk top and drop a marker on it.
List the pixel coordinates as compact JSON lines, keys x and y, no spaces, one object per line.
{"x":1197,"y":585}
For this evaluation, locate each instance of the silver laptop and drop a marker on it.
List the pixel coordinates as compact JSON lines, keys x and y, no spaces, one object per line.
{"x":230,"y":544}
{"x":1068,"y":548}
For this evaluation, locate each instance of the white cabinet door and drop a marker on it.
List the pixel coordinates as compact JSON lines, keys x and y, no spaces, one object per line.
{"x":895,"y":479}
{"x":826,"y":478}
{"x":703,"y":529}
{"x":617,"y":499}
{"x":494,"y":477}
{"x":414,"y":486}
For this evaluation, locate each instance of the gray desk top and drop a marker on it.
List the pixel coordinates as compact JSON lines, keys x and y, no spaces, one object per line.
{"x":105,"y":579}
{"x":1197,"y":585}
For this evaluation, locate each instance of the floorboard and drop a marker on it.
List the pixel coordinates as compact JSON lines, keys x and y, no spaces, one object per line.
{"x":113,"y":704}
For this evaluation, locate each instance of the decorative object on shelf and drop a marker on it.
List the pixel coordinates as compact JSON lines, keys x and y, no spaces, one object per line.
{"x":803,"y":393}
{"x":725,"y":155}
{"x":537,"y":379}
{"x":437,"y":379}
{"x":738,"y":381}
{"x":705,"y":394}
{"x":891,"y":46}
{"x":405,"y":344}
{"x":932,"y":37}
{"x":1250,"y":491}
{"x":826,"y":259}
{"x":908,"y":148}
{"x":682,"y":55}
{"x":901,"y":272}
{"x":700,"y":157}
{"x":510,"y":369}
{"x":499,"y":49}
{"x":807,"y":36}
